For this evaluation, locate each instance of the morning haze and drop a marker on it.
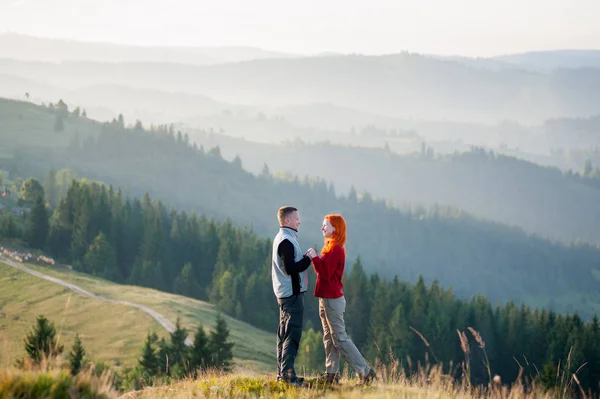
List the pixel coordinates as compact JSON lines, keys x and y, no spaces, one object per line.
{"x":151,"y":143}
{"x":464,"y":27}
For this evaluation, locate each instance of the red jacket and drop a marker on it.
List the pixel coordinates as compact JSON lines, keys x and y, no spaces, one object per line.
{"x":329,"y":269}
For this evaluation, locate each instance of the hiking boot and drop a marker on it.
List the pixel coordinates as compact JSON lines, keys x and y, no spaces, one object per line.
{"x":297,"y":382}
{"x":329,"y":378}
{"x":282,"y":379}
{"x":291,"y":379}
{"x":367,"y":379}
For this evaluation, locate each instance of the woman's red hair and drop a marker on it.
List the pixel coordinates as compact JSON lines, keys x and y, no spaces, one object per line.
{"x":339,"y":234}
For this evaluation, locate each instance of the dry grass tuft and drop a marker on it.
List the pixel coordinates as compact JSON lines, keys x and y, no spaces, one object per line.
{"x":477,"y":337}
{"x":56,"y":383}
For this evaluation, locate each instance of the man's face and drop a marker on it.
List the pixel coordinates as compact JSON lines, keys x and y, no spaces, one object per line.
{"x":293,"y":220}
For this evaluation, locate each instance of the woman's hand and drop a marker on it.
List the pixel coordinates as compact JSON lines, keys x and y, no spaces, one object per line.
{"x":311,"y":253}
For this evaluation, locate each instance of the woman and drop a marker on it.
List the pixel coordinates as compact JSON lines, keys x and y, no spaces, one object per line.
{"x":332,"y":304}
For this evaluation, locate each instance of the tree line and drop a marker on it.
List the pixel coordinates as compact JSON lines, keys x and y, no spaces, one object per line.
{"x":174,"y":358}
{"x":162,"y":359}
{"x":436,"y":242}
{"x":140,"y":241}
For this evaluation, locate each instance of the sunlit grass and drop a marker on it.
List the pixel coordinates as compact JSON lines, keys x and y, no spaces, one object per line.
{"x":428,"y":385}
{"x":112,"y":332}
{"x":54,"y":383}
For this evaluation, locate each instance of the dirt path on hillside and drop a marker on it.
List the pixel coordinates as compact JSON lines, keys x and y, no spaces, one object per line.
{"x":160,"y":319}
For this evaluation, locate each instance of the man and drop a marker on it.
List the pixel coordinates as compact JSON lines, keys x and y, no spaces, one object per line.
{"x":290,"y":282}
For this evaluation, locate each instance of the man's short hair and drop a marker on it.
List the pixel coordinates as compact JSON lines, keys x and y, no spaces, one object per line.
{"x":284,"y":212}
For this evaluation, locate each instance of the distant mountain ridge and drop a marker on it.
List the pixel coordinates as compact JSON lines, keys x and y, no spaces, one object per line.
{"x":557,"y":59}
{"x":402,"y":85}
{"x":31,"y":48}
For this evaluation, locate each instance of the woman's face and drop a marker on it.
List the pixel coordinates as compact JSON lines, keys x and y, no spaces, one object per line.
{"x":327,"y":229}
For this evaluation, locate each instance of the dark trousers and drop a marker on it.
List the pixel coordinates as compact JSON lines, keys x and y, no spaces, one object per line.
{"x":289,"y":333}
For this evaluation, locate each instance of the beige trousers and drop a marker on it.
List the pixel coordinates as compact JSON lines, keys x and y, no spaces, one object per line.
{"x":336,"y":340}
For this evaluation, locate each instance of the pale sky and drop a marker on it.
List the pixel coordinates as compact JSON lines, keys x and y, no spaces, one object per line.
{"x":448,"y":27}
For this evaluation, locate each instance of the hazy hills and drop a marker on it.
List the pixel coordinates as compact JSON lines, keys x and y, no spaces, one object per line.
{"x":312,"y":121}
{"x":547,"y":60}
{"x":24,"y":47}
{"x":33,"y":48}
{"x":449,"y":102}
{"x":541,"y":200}
{"x":402,"y":85}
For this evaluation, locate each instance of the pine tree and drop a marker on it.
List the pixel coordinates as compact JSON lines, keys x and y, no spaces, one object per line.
{"x":548,"y":378}
{"x":178,"y":350}
{"x":163,"y":357}
{"x":37,"y":224}
{"x":358,"y":304}
{"x":50,"y":188}
{"x":62,"y":107}
{"x":149,"y":361}
{"x":398,"y":328}
{"x":221,"y":349}
{"x":265,"y":171}
{"x":59,"y":124}
{"x":588,"y":168}
{"x":185,"y":283}
{"x":200,"y":357}
{"x":237,"y":162}
{"x":64,"y":181}
{"x":100,"y":259}
{"x":352,"y":195}
{"x":8,"y":227}
{"x":153,"y":246}
{"x":40,"y":341}
{"x":378,"y":332}
{"x":30,"y":190}
{"x":76,"y":356}
{"x":83,"y":209}
{"x":417,"y":316}
{"x":223,"y":292}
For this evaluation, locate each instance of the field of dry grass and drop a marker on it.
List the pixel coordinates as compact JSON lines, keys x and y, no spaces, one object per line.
{"x":429,"y":384}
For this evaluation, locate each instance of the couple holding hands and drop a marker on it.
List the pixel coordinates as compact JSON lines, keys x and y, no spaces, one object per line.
{"x":290,"y":282}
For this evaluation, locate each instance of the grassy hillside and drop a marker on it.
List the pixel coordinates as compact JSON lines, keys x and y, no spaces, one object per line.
{"x":28,"y":124}
{"x":110,"y":332}
{"x":105,"y":336}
